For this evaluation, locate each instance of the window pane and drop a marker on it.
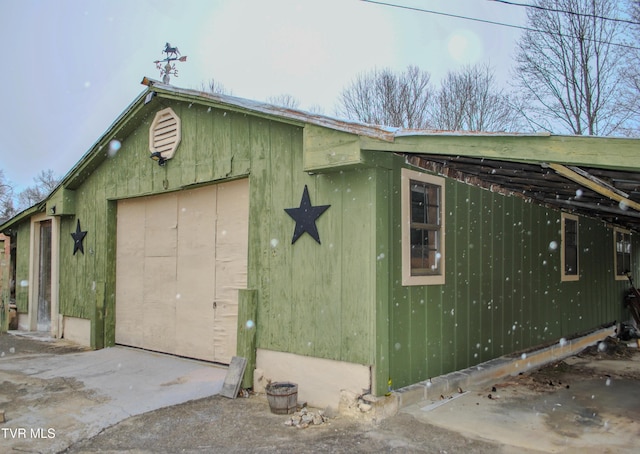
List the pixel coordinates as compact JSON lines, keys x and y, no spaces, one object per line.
{"x":620,"y":268}
{"x":418,"y":248}
{"x":425,"y":258}
{"x":619,"y":242}
{"x":570,"y":247}
{"x":425,"y":203}
{"x":433,"y":202}
{"x":571,"y":232}
{"x":571,"y":261}
{"x":418,"y":203}
{"x":422,"y":197}
{"x":627,"y":253}
{"x":623,"y":253}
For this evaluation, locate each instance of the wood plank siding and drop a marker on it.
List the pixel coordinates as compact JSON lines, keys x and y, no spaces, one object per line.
{"x":22,"y":267}
{"x":326,"y":317}
{"x":503,"y":292}
{"x":204,"y":156}
{"x":344,"y":299}
{"x":314,"y":299}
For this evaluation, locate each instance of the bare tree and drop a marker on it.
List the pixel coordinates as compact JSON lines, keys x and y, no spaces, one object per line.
{"x":45,"y":183}
{"x":6,"y":199}
{"x":469,"y":100}
{"x":568,"y":70}
{"x":633,"y":69}
{"x":316,"y":109}
{"x":284,"y":100}
{"x":385,"y":98}
{"x":213,"y":86}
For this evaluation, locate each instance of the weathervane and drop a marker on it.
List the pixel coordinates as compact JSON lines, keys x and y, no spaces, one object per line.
{"x":169,"y":67}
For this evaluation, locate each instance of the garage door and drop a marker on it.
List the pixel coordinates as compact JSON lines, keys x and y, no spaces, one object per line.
{"x":181,"y":258}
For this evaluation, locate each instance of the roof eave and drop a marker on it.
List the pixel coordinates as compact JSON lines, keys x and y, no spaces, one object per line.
{"x":8,"y":225}
{"x":282,"y":114}
{"x":534,"y":149}
{"x":99,"y":150}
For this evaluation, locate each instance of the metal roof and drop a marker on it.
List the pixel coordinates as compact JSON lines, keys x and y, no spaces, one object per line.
{"x":612,"y":196}
{"x":596,"y":177}
{"x":608,"y":187}
{"x":296,"y":116}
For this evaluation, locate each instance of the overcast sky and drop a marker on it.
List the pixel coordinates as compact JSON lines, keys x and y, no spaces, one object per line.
{"x":70,"y":67}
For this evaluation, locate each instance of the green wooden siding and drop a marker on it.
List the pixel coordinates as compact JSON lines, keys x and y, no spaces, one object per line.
{"x":342,"y":299}
{"x":307,"y":301}
{"x":87,"y":282}
{"x":503,"y":292}
{"x":213,"y":148}
{"x":22,"y":266}
{"x":314,"y":299}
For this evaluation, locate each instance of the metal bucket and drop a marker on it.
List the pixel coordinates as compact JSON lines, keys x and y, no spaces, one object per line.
{"x":13,"y":316}
{"x":282,"y":397}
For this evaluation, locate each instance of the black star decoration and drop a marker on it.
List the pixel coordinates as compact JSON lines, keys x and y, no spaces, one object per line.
{"x":305,"y":217}
{"x":78,"y":238}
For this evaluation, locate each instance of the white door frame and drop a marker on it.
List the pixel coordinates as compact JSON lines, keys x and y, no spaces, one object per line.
{"x":34,"y":269}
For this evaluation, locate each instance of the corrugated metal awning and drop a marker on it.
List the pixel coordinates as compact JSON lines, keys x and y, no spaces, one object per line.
{"x":610,"y":195}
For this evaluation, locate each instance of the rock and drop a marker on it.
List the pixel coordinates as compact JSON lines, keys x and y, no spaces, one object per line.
{"x":348,"y":402}
{"x":364,"y":407}
{"x":305,"y":418}
{"x":370,"y":399}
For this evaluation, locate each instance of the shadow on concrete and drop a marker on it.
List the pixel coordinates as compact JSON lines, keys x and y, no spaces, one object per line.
{"x":53,"y":393}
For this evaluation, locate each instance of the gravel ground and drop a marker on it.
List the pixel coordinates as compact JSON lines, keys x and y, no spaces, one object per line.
{"x":245,"y":425}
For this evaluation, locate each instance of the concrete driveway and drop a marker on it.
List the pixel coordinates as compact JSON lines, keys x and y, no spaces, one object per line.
{"x":586,"y":403}
{"x":52,"y":400}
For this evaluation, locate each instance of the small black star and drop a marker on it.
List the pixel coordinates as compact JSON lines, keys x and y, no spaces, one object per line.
{"x":78,"y":238}
{"x":305,"y":217}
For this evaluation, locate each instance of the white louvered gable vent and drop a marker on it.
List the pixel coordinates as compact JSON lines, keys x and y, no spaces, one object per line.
{"x":164,"y":133}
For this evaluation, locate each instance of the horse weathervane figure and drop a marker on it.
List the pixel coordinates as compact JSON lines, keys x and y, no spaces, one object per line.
{"x":170,"y":66}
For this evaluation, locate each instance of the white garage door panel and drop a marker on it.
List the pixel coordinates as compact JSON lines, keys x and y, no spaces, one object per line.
{"x":181,"y":259}
{"x":130,"y":279}
{"x":161,"y":225}
{"x":131,"y":223}
{"x":130,"y":272}
{"x":195,"y":315}
{"x":190,"y":284}
{"x":231,"y":268}
{"x":197,"y":217}
{"x":159,"y":282}
{"x":159,"y":326}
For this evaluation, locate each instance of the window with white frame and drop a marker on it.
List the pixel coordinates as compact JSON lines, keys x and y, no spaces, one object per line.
{"x":569,"y":252}
{"x":622,"y":245}
{"x":423,"y":228}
